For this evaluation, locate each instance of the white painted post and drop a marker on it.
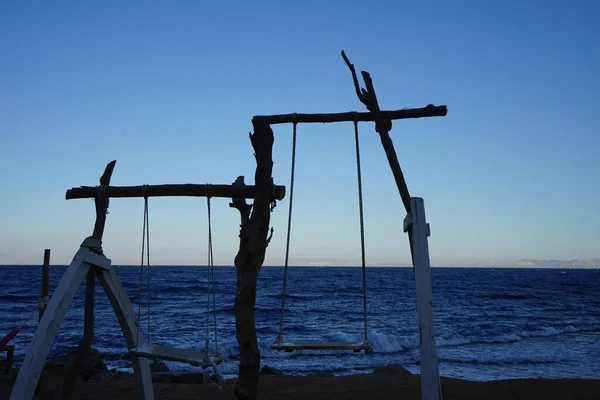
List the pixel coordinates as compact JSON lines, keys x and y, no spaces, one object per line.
{"x":48,"y":327}
{"x":124,"y":311}
{"x":430,"y":375}
{"x":57,"y":308}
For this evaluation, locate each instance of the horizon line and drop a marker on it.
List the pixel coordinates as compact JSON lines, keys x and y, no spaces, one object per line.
{"x":470,"y":265}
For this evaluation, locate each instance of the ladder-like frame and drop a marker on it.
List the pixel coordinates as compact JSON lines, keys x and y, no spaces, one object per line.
{"x":85,"y":261}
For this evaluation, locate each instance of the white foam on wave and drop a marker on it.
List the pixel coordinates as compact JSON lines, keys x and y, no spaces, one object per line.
{"x":387,"y":343}
{"x":541,"y":331}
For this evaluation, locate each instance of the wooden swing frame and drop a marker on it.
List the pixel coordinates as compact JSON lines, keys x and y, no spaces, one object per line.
{"x":91,"y":262}
{"x":415,"y":225}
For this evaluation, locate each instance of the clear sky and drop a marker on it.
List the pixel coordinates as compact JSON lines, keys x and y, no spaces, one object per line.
{"x":169,"y":89}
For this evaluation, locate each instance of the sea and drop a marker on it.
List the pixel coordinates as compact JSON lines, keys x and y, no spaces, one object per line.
{"x":490,"y":323}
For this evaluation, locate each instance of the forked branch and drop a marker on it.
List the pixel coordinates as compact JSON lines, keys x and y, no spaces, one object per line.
{"x":359,"y":93}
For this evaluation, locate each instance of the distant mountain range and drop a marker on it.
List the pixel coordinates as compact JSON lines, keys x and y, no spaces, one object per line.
{"x":579,"y":263}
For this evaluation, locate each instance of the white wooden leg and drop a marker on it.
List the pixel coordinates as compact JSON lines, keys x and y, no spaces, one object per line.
{"x":48,"y":327}
{"x":430,"y":375}
{"x":120,"y":301}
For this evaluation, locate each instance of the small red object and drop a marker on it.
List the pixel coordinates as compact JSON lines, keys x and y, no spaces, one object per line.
{"x":8,"y":337}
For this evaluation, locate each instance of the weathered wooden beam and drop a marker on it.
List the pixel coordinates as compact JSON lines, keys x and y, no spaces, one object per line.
{"x":427,"y":111}
{"x":254,"y":240}
{"x":193,"y":357}
{"x":44,"y":299}
{"x":48,"y":327}
{"x":101,"y":201}
{"x":416,"y":223}
{"x":45,"y":283}
{"x":388,"y":146}
{"x":117,"y":296}
{"x":192,"y":190}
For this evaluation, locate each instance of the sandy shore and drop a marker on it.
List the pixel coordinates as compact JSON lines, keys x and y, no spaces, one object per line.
{"x":387,"y":383}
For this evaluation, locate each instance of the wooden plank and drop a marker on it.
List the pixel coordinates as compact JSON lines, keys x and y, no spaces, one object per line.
{"x":174,"y":190}
{"x":430,"y":376}
{"x":427,"y":111}
{"x":126,"y":316}
{"x":97,"y":260}
{"x":48,"y":327}
{"x":192,"y":357}
{"x":291,"y":346}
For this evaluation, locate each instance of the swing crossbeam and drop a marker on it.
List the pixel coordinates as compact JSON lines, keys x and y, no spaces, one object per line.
{"x":192,"y":357}
{"x":353,"y":346}
{"x":172,"y":190}
{"x":350,"y":116}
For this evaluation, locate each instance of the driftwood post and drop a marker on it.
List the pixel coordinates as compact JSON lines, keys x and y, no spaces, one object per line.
{"x":43,"y":302}
{"x":254,"y":240}
{"x":418,"y":232}
{"x":101,"y":203}
{"x":45,"y":283}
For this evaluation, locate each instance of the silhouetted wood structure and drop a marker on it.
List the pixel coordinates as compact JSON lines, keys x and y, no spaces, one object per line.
{"x":428,"y":111}
{"x":254,"y":242}
{"x":45,"y":283}
{"x":187,"y":190}
{"x":91,"y":263}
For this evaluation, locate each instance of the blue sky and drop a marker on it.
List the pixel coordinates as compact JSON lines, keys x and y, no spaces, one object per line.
{"x":169,"y":89}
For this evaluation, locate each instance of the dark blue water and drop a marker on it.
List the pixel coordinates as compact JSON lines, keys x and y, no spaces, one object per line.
{"x":490,"y":323}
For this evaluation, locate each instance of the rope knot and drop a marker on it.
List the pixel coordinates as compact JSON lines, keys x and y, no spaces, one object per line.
{"x":42,"y":303}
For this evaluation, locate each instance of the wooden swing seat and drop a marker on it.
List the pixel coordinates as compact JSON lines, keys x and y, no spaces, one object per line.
{"x":291,"y":346}
{"x":192,"y":357}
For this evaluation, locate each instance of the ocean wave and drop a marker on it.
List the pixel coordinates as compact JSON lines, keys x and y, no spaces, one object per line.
{"x":542,"y":331}
{"x":386,"y":343}
{"x":508,"y":296}
{"x":302,"y":296}
{"x":506,"y":361}
{"x":196,"y":289}
{"x":15,"y":297}
{"x":382,"y":342}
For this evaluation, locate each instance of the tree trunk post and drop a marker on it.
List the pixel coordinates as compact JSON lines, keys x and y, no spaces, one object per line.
{"x":254,"y":240}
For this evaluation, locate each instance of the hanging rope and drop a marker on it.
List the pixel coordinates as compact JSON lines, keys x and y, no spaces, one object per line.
{"x":148,"y":266}
{"x":210,"y":281}
{"x":208,"y":360}
{"x":362,"y":232}
{"x":362,"y":226}
{"x":289,"y":228}
{"x":145,"y":249}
